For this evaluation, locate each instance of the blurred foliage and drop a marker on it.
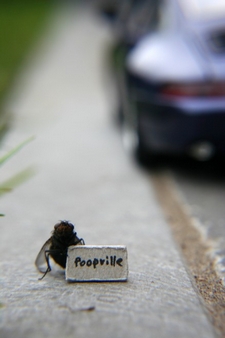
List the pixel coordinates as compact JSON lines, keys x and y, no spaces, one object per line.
{"x":12,"y":152}
{"x":18,"y":178}
{"x":117,"y":56}
{"x":21,"y":22}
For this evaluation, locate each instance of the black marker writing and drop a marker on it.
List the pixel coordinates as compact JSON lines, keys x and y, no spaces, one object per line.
{"x":110,"y":261}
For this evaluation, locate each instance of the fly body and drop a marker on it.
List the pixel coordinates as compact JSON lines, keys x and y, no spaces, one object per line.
{"x":56,"y":247}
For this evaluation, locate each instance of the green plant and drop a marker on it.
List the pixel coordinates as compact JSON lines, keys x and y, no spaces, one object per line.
{"x":21,"y":24}
{"x":18,"y":178}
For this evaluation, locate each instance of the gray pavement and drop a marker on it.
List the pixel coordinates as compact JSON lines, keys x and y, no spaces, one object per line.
{"x":83,"y":174}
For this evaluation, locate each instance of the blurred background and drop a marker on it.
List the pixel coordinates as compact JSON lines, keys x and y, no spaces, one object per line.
{"x":169,"y":60}
{"x":167,"y":63}
{"x":22,"y":24}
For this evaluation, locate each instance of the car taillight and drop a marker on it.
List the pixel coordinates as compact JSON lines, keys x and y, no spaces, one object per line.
{"x":205,"y":89}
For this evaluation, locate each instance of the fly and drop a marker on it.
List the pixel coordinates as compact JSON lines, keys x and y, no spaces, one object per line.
{"x":56,"y":247}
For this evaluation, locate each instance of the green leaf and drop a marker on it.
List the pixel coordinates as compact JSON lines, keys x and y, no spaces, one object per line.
{"x":16,"y":180}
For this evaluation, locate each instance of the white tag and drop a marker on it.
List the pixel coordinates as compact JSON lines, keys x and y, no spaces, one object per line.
{"x":89,"y":263}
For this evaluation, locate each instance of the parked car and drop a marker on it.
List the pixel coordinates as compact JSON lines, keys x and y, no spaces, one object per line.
{"x":171,"y":78}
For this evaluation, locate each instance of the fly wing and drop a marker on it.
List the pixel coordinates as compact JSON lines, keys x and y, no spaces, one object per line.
{"x":40,"y":261}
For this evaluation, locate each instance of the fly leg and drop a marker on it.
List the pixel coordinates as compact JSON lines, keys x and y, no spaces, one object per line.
{"x":47,"y":254}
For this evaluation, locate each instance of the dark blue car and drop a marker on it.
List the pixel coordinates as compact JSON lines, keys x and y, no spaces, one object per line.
{"x":172,"y":79}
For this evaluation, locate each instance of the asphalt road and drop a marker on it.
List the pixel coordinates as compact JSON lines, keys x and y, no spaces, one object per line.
{"x":202,"y":189}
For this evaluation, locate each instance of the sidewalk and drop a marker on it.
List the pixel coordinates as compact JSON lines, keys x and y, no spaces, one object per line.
{"x":83,"y":175}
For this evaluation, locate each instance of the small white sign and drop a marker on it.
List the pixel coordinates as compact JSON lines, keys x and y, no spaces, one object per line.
{"x":89,"y":263}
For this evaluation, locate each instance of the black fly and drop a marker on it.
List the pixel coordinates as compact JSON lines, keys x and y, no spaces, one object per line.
{"x":56,"y":246}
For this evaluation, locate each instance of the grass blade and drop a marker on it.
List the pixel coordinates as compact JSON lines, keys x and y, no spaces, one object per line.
{"x":16,"y":180}
{"x":5,"y":157}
